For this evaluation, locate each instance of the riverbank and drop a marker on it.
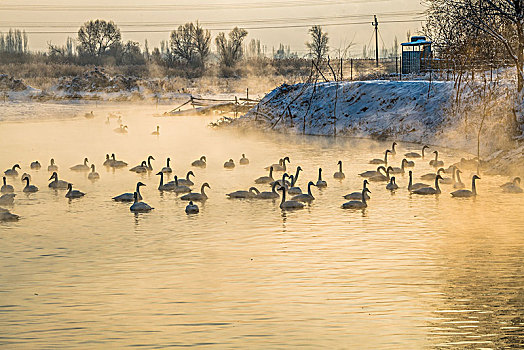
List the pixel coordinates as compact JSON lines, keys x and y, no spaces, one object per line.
{"x":412,"y":111}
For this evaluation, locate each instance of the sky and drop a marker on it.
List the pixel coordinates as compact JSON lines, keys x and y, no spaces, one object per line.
{"x":271,"y":21}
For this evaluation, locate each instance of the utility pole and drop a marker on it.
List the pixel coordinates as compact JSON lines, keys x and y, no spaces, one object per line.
{"x":375,"y":24}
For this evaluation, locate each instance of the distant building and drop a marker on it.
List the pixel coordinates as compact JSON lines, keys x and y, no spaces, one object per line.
{"x":416,"y":55}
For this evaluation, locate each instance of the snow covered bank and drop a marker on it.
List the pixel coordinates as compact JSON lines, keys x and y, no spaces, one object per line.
{"x":411,"y":111}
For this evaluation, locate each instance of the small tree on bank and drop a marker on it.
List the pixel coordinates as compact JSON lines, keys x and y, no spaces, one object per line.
{"x":230,"y":51}
{"x":318,"y":46}
{"x":190,"y":44}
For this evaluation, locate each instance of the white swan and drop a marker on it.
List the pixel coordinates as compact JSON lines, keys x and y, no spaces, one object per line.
{"x":186,"y":181}
{"x":381,"y":177}
{"x":89,"y":115}
{"x":194,"y":196}
{"x":117,"y":163}
{"x":200,"y":163}
{"x":180,"y":188}
{"x":355,"y":204}
{"x":36,"y":165}
{"x":273,"y":194}
{"x":381,"y":161}
{"x":93,"y":175}
{"x":401,"y":170}
{"x":510,"y":187}
{"x":122,"y":129}
{"x":7,"y":216}
{"x":418,"y":185}
{"x":149,"y":166}
{"x":252,"y":193}
{"x":7,"y":199}
{"x":429,"y":190}
{"x":140,"y":169}
{"x":266,"y":179}
{"x":339,"y":174}
{"x":458,"y":182}
{"x":129,"y":197}
{"x":81,"y":167}
{"x":371,"y":173}
{"x":12,"y":171}
{"x":139,"y":207}
{"x":431,"y":176}
{"x":73,"y":193}
{"x":305,"y":197}
{"x":157,"y":132}
{"x":108,"y":161}
{"x":283,"y":181}
{"x":29,"y":188}
{"x":291,"y":204}
{"x":192,"y":208}
{"x":230,"y":164}
{"x":57,"y":184}
{"x":467,"y":193}
{"x":435,"y":162}
{"x":167,"y":169}
{"x":320,"y":183}
{"x":295,"y":190}
{"x":6,"y":188}
{"x":416,"y":155}
{"x":358,"y":194}
{"x":243,"y":160}
{"x":408,"y":163}
{"x":52,"y":166}
{"x":281,"y":166}
{"x":167,"y":186}
{"x":392,"y":185}
{"x":393,"y":150}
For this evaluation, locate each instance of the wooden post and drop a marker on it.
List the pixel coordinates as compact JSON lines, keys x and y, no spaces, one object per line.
{"x":247,"y":94}
{"x":351,"y":70}
{"x":341,"y":69}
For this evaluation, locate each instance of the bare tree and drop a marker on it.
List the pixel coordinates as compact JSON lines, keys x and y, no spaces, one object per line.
{"x":202,"y":42}
{"x":230,"y":50}
{"x":318,"y":46}
{"x":190,"y":43}
{"x":97,"y":37}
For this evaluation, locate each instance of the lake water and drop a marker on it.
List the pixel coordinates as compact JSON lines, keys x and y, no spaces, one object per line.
{"x":409,"y":272}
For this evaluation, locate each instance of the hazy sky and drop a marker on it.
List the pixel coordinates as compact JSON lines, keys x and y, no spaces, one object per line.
{"x":350,"y":19}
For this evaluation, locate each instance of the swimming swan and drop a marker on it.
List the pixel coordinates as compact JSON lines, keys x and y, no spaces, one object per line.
{"x":291,"y":204}
{"x":108,"y":161}
{"x":467,"y":193}
{"x":7,"y":199}
{"x":149,"y":166}
{"x":29,"y":188}
{"x":6,"y":188}
{"x":435,"y":162}
{"x":167,"y":169}
{"x":192,"y":208}
{"x":122,"y":129}
{"x":186,"y":181}
{"x":36,"y":165}
{"x":139,"y":207}
{"x":358,"y":194}
{"x":281,"y":166}
{"x":252,"y":193}
{"x":393,"y":150}
{"x":401,"y":170}
{"x":381,"y":161}
{"x":140,"y":169}
{"x":355,"y":204}
{"x":81,"y":167}
{"x":200,"y":163}
{"x":381,"y":177}
{"x":230,"y":164}
{"x":117,"y":163}
{"x":432,"y":176}
{"x":339,"y":174}
{"x":243,"y":160}
{"x":416,"y":155}
{"x":57,"y":184}
{"x":52,"y":166}
{"x":180,"y":188}
{"x":167,"y":186}
{"x":418,"y":185}
{"x":6,"y":216}
{"x":266,"y":179}
{"x":320,"y":183}
{"x":305,"y":197}
{"x":295,"y":190}
{"x":371,"y":173}
{"x":129,"y":197}
{"x":458,"y":182}
{"x":269,"y":195}
{"x":392,"y":185}
{"x":12,"y":171}
{"x":93,"y":175}
{"x":194,"y":196}
{"x":157,"y":132}
{"x":510,"y":187}
{"x":429,"y":190}
{"x":73,"y":193}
